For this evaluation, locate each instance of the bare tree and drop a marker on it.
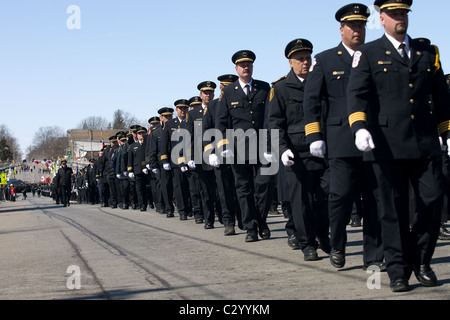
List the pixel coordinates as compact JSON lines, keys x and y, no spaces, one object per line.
{"x":123,"y":119}
{"x":11,"y":142}
{"x":48,"y":143}
{"x":93,"y":123}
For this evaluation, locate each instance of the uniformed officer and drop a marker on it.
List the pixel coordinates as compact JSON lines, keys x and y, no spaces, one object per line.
{"x":91,"y":189}
{"x":195,"y":103}
{"x":242,"y":107}
{"x":111,"y":172}
{"x":65,"y":175}
{"x":173,"y":138}
{"x":136,"y":163}
{"x":226,"y":191}
{"x":400,"y":137}
{"x":156,"y":160}
{"x":155,"y":123}
{"x":444,"y":234}
{"x":307,"y":176}
{"x":121,"y":170}
{"x":133,"y":194}
{"x":201,"y":172}
{"x":349,"y":175}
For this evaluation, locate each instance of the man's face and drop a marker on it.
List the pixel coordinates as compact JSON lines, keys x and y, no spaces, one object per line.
{"x":164,"y":119}
{"x":300,"y":62}
{"x":244,"y":69}
{"x":207,"y":95}
{"x":181,"y":112}
{"x":353,"y":33}
{"x":395,"y":22}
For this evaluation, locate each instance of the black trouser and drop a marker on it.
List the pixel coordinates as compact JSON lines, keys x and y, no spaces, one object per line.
{"x":141,"y":182}
{"x":159,"y":199}
{"x":181,"y":191}
{"x":350,"y":180}
{"x":309,"y":194}
{"x":252,"y":194}
{"x":409,"y":244}
{"x":125,"y":190}
{"x":113,"y":184}
{"x":65,"y":194}
{"x":227,"y":195}
{"x":167,"y":190}
{"x":207,"y":188}
{"x":194,"y":191}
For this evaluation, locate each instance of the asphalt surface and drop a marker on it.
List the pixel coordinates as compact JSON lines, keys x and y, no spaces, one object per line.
{"x":87,"y":252}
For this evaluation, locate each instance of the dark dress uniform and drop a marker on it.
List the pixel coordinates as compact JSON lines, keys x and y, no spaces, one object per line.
{"x":350,"y":177}
{"x":179,"y":178}
{"x":225,"y":183}
{"x":163,"y":177}
{"x":237,"y":110}
{"x":203,"y":175}
{"x":65,"y":175}
{"x":136,"y":163}
{"x":405,"y":128}
{"x":92,"y":186}
{"x":308,"y":177}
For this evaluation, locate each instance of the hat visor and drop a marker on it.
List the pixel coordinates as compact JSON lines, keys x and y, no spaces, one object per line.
{"x":354,"y":17}
{"x":395,"y":6}
{"x":297,"y":50}
{"x":243,"y":60}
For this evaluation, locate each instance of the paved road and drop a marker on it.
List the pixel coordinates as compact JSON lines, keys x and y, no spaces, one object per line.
{"x":126,"y":254}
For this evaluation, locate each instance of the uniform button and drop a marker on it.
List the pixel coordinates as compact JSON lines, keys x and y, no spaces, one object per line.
{"x":412,"y":100}
{"x":251,"y":112}
{"x":412,"y":116}
{"x":253,"y":122}
{"x":411,"y":85}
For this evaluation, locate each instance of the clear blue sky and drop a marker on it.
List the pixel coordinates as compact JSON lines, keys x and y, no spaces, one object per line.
{"x":141,"y":55}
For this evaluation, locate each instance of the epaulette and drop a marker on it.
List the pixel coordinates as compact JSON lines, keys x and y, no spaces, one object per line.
{"x":279,"y":79}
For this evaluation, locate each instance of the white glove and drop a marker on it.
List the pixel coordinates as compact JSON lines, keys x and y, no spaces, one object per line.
{"x":270,"y":157}
{"x":118,"y":176}
{"x":364,"y":141}
{"x":191,"y":164}
{"x":155,"y":171}
{"x":125,"y":173}
{"x":448,"y":144}
{"x":184,"y":168}
{"x":318,"y":149}
{"x":227,"y":154}
{"x":145,"y":171}
{"x":148,"y":166}
{"x":131,"y":175}
{"x":214,"y":160}
{"x":166,"y":166}
{"x":286,"y":158}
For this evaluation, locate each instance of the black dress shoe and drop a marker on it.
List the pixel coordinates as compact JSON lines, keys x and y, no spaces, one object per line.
{"x":310,"y":254}
{"x":324,"y":244}
{"x":170,"y":215}
{"x":264,"y":232}
{"x":337,"y":258}
{"x":425,"y":275}
{"x":183,"y":217}
{"x":251,"y":236}
{"x":400,"y":285}
{"x":380,"y":264}
{"x":229,"y":231}
{"x":293,"y":242}
{"x":444,"y":234}
{"x":199,"y":220}
{"x":209,"y":226}
{"x":355,"y":223}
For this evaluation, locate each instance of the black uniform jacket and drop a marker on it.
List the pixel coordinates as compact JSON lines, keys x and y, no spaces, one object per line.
{"x":136,"y":157}
{"x":326,"y":102}
{"x":236,"y":110}
{"x":194,"y":124}
{"x":171,"y":128}
{"x":155,"y":148}
{"x":412,"y":101}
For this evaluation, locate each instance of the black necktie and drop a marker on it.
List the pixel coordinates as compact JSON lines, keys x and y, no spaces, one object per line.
{"x":404,"y":53}
{"x":248,"y":89}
